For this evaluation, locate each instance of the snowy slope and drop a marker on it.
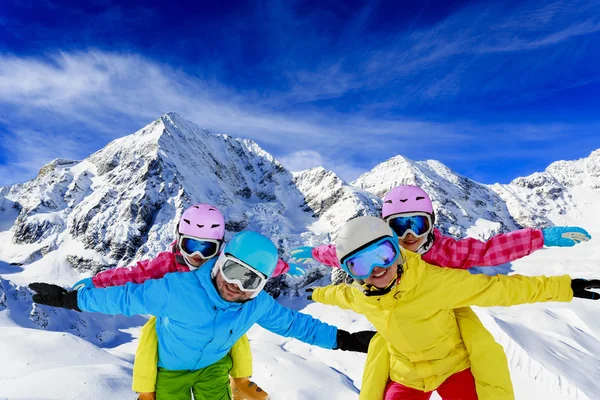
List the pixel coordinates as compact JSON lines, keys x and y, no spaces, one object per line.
{"x":553,"y":350}
{"x":78,"y":217}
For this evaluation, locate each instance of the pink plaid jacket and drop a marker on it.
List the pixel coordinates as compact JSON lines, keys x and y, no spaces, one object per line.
{"x":156,"y":268}
{"x":164,"y":263}
{"x":464,"y":253}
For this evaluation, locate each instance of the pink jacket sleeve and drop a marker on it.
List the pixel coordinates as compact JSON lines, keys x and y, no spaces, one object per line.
{"x":466,"y":253}
{"x":281,"y":268}
{"x":325,"y":254}
{"x":142,"y":271}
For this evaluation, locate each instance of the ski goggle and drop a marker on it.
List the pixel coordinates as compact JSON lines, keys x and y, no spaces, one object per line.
{"x":381,"y":253}
{"x":238,"y":272}
{"x":205,"y":248}
{"x":419,"y":224}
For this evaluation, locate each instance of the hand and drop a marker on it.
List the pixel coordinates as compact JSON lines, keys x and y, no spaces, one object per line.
{"x":302,"y":254}
{"x":83,"y":283}
{"x":309,"y":291}
{"x":581,"y":288}
{"x":564,"y":236}
{"x":283,"y":267}
{"x":357,"y":341}
{"x":54,"y":295}
{"x":296,"y":270}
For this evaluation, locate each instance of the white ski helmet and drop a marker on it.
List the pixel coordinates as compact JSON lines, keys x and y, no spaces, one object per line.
{"x":359,"y":233}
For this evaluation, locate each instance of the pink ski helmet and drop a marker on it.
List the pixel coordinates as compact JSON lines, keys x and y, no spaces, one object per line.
{"x":202,"y":221}
{"x":406,"y":199}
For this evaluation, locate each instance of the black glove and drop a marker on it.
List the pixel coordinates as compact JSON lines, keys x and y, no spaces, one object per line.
{"x":309,"y":291}
{"x":55,"y":296}
{"x":357,"y":341}
{"x":581,"y":288}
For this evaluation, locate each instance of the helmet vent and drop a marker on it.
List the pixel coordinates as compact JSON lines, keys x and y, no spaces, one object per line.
{"x":200,"y":226}
{"x":388,"y":201}
{"x":419,"y":198}
{"x":187,"y":221}
{"x":403,"y":200}
{"x":215,"y":225}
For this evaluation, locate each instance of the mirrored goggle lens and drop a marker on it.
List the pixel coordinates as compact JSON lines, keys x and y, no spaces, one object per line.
{"x":233,"y":271}
{"x":419,"y":224}
{"x":207,"y":249}
{"x":381,"y":254}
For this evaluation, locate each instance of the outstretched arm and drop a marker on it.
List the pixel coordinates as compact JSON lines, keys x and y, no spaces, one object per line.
{"x":488,"y":291}
{"x":325,"y":254}
{"x":151,"y":297}
{"x":467,"y":253}
{"x":286,"y":322}
{"x":138,"y":273}
{"x":337,"y":295}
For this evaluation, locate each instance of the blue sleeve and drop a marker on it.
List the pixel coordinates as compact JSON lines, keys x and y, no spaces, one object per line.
{"x":151,"y":297}
{"x":286,"y":322}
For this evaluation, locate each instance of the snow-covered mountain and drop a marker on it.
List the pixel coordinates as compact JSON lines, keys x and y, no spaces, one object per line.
{"x":567,"y":192}
{"x":462,"y":206}
{"x":120,"y":204}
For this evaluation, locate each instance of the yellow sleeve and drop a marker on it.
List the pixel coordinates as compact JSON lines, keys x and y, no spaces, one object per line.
{"x":336,"y":295}
{"x":241,"y":355}
{"x":489,"y":364}
{"x":377,"y":370}
{"x":453,"y":288}
{"x":145,"y":365}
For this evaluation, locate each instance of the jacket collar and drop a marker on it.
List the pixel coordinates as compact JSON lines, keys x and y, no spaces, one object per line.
{"x":404,"y":281}
{"x":206,"y":281}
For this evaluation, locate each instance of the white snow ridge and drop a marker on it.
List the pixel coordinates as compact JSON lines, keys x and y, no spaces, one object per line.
{"x":119,"y":205}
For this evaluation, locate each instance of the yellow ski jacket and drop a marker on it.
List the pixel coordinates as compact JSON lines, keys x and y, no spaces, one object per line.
{"x":417,"y":319}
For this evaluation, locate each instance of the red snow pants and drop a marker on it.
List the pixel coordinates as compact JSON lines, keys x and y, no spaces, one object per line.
{"x":460,"y":386}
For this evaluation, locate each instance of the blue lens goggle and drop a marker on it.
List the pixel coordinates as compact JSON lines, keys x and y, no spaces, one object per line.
{"x":205,"y":248}
{"x":419,"y":224}
{"x":382,"y":253}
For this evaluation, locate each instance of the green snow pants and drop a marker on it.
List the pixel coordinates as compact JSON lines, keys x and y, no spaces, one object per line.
{"x":209,"y":383}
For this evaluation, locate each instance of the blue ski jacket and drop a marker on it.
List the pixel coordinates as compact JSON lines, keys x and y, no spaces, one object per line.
{"x":196,"y":327}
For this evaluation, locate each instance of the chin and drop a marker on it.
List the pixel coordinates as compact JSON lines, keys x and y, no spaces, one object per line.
{"x":410,"y":247}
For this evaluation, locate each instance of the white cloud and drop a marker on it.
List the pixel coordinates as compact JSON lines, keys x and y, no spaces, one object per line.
{"x":113,"y":94}
{"x":97,"y":91}
{"x":455,"y":55}
{"x":29,"y":150}
{"x":302,"y":160}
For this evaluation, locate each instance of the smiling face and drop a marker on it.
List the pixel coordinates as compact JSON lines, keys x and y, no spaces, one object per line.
{"x":382,"y":277}
{"x":412,"y":243}
{"x":230,"y":291}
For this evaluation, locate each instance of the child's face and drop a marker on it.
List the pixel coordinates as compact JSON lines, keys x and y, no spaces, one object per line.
{"x":412,"y":243}
{"x":381,"y":277}
{"x":196,"y":260}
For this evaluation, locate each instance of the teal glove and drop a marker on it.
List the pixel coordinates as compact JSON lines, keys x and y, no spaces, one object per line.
{"x":295,"y":270}
{"x":302,"y":254}
{"x":84,"y":283}
{"x":564,"y":236}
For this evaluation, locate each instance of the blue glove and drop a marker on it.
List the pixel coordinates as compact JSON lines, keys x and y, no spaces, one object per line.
{"x":564,"y":236}
{"x":295,"y":270}
{"x":84,"y":283}
{"x":302,"y":254}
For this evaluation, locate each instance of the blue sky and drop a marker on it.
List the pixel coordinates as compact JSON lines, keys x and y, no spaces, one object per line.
{"x":495,"y":90}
